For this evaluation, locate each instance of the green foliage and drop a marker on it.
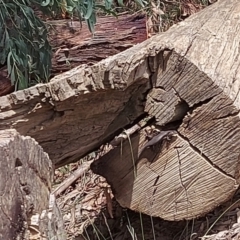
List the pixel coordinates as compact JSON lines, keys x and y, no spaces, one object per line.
{"x":23,"y":36}
{"x":24,"y":46}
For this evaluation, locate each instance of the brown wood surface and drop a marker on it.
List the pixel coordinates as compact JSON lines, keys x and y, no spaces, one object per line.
{"x":188,"y":75}
{"x":25,"y":183}
{"x":5,"y":84}
{"x":73,"y":44}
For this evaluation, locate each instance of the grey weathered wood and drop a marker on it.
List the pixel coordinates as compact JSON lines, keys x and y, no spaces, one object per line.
{"x":196,"y":79}
{"x":25,"y":185}
{"x":76,"y":112}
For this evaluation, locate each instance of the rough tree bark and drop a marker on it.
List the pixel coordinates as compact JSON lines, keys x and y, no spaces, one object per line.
{"x":188,"y":76}
{"x":25,"y":185}
{"x":74,"y":45}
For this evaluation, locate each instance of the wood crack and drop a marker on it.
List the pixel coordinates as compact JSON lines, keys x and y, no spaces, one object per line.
{"x":200,"y":152}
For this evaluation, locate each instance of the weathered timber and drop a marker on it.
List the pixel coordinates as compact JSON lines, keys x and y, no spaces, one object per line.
{"x":200,"y":169}
{"x":189,"y":73}
{"x":74,"y":44}
{"x":25,"y":183}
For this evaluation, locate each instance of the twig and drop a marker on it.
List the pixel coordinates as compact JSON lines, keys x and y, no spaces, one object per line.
{"x":123,"y":136}
{"x":72,"y":178}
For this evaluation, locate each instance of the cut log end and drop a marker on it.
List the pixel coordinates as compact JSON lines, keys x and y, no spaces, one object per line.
{"x":25,"y":182}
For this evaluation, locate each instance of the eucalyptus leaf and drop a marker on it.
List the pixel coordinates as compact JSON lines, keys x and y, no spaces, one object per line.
{"x":69,"y":8}
{"x":141,"y":3}
{"x":13,"y":78}
{"x":24,"y":45}
{"x":23,"y":82}
{"x":89,"y":7}
{"x":108,"y":4}
{"x":120,"y":2}
{"x":90,"y":25}
{"x":45,"y":3}
{"x":9,"y":65}
{"x":2,"y":43}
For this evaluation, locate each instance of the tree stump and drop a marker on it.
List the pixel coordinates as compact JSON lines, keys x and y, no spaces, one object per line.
{"x":25,"y":182}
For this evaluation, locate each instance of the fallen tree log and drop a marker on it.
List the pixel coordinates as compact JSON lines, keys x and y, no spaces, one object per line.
{"x":26,"y":177}
{"x":74,"y":44}
{"x":188,"y":76}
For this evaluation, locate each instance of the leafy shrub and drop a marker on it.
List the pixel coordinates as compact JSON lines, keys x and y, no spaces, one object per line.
{"x":24,"y":46}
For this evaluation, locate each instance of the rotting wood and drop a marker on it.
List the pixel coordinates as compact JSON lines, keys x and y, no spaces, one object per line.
{"x":192,"y":72}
